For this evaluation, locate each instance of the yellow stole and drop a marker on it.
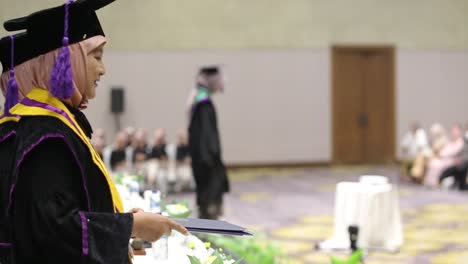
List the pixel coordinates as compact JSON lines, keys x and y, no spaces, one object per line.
{"x":5,"y":119}
{"x":43,"y":97}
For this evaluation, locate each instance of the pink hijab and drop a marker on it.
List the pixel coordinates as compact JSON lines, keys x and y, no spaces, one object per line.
{"x":37,"y":71}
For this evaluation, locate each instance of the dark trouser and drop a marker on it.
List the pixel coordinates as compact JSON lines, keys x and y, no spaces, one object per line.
{"x":5,"y":254}
{"x":212,"y":210}
{"x":209,"y":191}
{"x":459,"y":172}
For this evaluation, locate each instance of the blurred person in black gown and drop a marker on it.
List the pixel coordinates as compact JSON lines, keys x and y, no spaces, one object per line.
{"x":118,"y":161}
{"x":183,"y":150}
{"x":157,"y":165}
{"x":205,"y":146}
{"x":183,"y":170}
{"x":140,"y":150}
{"x":158,"y":151}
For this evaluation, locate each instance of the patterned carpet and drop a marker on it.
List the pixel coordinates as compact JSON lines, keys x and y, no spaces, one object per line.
{"x":294,"y":209}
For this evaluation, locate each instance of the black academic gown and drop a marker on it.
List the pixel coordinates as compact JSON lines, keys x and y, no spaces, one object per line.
{"x":117,"y":157}
{"x":182,"y":153}
{"x":205,"y":150}
{"x":158,"y":152}
{"x":62,"y":208}
{"x":140,"y":150}
{"x":7,"y":149}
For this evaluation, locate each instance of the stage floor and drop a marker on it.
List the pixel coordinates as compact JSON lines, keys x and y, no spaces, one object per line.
{"x":294,"y":208}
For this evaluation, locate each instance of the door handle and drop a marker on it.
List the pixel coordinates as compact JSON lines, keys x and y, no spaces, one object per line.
{"x":362,"y":120}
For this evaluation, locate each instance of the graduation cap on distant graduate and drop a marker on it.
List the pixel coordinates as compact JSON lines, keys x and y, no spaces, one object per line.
{"x":209,"y":70}
{"x":206,"y":75}
{"x":56,"y":27}
{"x":14,"y":50}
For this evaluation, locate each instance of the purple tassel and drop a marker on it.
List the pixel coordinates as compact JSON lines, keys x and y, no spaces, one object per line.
{"x":11,"y":98}
{"x":61,"y":80}
{"x":12,"y":93}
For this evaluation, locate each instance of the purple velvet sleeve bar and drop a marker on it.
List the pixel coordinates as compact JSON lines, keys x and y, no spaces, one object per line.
{"x":7,"y":136}
{"x":84,"y":234}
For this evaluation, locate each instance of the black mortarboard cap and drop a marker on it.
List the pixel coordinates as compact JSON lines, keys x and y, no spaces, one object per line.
{"x":46,"y":28}
{"x":21,"y":52}
{"x":209,"y":70}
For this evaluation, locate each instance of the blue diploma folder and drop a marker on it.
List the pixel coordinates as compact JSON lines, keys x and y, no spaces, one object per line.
{"x":211,"y":226}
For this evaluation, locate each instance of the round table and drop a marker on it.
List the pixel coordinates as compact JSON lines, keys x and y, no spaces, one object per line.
{"x":374,"y":208}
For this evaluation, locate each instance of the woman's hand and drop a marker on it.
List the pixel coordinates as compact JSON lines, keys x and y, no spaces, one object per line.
{"x":136,"y":210}
{"x":151,"y":227}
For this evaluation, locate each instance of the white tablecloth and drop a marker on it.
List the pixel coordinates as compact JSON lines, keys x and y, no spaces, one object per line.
{"x":374,"y":208}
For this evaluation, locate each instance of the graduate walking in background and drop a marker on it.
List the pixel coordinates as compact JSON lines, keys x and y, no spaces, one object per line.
{"x":205,"y":146}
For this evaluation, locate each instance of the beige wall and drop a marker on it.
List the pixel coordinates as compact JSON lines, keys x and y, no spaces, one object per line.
{"x":207,"y":24}
{"x":277,"y":104}
{"x":275,"y":109}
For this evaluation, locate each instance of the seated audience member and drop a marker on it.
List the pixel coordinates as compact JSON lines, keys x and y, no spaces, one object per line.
{"x":459,"y":170}
{"x":98,"y":144}
{"x":140,"y":149}
{"x":100,"y":133}
{"x":130,"y":143}
{"x":182,"y":152}
{"x":130,"y":132}
{"x":414,"y":143}
{"x":140,"y":154}
{"x":157,"y":169}
{"x":104,"y":149}
{"x":437,"y":139}
{"x":158,"y":151}
{"x":118,"y":161}
{"x":183,"y":164}
{"x":445,"y":157}
{"x":99,"y":141}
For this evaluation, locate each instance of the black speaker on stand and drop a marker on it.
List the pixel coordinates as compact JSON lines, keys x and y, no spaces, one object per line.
{"x":117,"y":104}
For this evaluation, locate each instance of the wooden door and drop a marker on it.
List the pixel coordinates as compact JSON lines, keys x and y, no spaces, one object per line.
{"x":363,"y":104}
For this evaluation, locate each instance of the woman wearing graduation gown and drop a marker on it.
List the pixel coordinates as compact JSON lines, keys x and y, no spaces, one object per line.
{"x":62,"y":202}
{"x":205,"y":147}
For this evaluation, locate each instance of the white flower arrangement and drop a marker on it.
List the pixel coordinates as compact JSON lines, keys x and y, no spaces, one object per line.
{"x":213,"y":256}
